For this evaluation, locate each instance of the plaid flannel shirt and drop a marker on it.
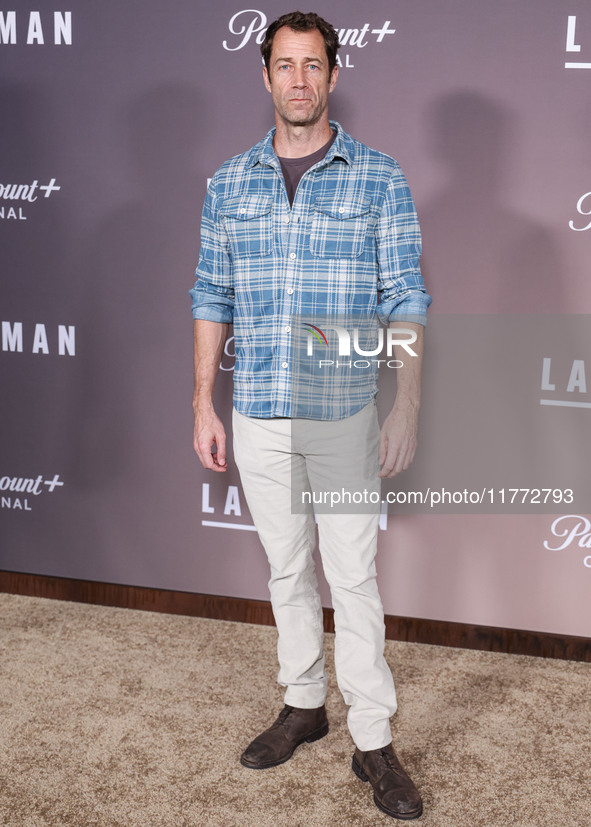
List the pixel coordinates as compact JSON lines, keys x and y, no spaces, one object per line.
{"x":351,"y":235}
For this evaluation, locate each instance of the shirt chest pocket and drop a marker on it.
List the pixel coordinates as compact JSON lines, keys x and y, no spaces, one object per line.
{"x":248,"y":221}
{"x":339,"y":227}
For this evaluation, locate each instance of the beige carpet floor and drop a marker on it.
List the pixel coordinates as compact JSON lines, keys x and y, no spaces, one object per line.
{"x":118,"y":718}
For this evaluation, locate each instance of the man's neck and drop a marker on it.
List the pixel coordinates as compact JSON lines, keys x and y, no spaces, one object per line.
{"x":298,"y":141}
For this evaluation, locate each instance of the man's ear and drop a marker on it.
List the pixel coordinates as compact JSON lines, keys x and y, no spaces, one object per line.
{"x":266,"y":79}
{"x":333,"y":78}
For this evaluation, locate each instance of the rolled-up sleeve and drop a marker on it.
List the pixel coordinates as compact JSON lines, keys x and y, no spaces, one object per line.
{"x":213,"y":292}
{"x":400,"y":284}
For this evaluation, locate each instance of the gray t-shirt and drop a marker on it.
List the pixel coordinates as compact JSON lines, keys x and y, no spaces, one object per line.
{"x":294,"y":168}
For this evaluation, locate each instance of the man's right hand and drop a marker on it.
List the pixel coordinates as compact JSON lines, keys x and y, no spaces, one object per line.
{"x":207,"y":431}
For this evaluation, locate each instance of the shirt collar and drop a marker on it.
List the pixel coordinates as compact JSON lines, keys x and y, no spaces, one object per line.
{"x":343,"y":147}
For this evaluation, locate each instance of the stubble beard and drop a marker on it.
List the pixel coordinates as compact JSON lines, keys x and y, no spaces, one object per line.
{"x":300,"y":118}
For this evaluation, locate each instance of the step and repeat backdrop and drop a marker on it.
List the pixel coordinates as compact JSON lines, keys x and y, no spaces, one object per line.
{"x":115,"y":115}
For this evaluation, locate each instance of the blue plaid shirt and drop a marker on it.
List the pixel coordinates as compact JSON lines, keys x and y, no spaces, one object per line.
{"x":351,"y":235}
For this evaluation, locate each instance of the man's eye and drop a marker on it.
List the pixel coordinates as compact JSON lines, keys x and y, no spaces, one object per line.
{"x":312,"y":66}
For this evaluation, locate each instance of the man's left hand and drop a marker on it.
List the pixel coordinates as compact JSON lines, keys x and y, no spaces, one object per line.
{"x":398,"y":441}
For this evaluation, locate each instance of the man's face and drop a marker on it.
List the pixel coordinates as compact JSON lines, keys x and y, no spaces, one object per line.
{"x":298,"y":77}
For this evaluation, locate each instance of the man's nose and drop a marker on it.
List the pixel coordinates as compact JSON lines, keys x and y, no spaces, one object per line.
{"x":299,"y":78}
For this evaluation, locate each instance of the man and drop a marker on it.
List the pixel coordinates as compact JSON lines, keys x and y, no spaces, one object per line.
{"x":311,"y":224}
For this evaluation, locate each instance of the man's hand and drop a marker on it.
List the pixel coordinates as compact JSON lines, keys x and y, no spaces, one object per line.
{"x":398,"y":440}
{"x":209,"y":338}
{"x":398,"y":437}
{"x":207,"y":431}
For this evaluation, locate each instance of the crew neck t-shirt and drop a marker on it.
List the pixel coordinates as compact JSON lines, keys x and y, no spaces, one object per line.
{"x":294,"y":168}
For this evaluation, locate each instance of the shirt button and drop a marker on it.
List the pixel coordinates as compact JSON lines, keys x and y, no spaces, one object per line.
{"x":284,"y":364}
{"x":292,"y":255}
{"x":242,"y":210}
{"x":286,"y":220}
{"x":290,"y":290}
{"x":341,"y":209}
{"x":287,"y":329}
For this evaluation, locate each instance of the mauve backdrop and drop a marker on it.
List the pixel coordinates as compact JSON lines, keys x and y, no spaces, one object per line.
{"x":128,"y":121}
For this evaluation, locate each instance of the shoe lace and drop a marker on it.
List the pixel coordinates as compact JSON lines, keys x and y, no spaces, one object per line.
{"x":392,"y":763}
{"x":285,"y":712}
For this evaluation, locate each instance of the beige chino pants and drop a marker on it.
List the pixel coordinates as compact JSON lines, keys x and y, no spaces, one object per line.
{"x":272,"y":456}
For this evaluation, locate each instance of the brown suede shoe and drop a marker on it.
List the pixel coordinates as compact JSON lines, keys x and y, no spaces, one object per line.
{"x":393,"y":791}
{"x":277,"y":744}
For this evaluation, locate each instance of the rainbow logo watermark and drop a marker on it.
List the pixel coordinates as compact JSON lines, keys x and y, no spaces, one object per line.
{"x":349,"y":345}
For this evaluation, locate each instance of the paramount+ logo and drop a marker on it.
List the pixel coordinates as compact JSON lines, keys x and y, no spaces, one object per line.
{"x":584,"y":210}
{"x":570,"y":529}
{"x":15,"y":198}
{"x":17,"y":493}
{"x":251,"y":24}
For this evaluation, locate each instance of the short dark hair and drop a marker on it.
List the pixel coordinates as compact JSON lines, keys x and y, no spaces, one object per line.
{"x":297,"y":21}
